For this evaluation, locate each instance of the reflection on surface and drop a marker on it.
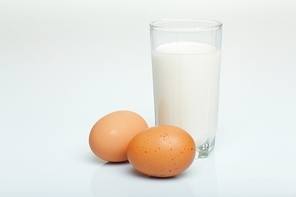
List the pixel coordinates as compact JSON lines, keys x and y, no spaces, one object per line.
{"x":120,"y":179}
{"x":203,"y":180}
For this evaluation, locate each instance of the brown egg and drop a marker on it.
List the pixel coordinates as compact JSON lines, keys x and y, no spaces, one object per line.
{"x":110,"y":135}
{"x":161,"y":151}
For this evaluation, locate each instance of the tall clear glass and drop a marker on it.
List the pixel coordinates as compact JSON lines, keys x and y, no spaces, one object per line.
{"x":186,"y":57}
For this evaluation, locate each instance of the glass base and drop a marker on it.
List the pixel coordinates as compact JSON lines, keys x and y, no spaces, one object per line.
{"x":204,"y":150}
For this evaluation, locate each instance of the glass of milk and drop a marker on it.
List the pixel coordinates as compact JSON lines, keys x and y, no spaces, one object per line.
{"x":186,"y":57}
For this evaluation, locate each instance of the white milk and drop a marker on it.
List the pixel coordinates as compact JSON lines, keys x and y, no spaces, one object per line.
{"x":186,"y":88}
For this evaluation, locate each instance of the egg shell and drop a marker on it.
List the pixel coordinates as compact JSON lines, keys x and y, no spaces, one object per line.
{"x":110,"y":135}
{"x":161,"y":151}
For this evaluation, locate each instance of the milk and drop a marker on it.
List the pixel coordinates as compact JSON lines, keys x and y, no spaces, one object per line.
{"x":186,"y":88}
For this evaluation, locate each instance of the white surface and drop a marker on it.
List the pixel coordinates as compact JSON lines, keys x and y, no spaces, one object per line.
{"x":64,"y":64}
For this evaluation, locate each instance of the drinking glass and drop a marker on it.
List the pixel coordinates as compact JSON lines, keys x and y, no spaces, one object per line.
{"x":186,"y":57}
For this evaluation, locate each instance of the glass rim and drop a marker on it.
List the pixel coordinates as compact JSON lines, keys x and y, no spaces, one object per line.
{"x":212,"y":24}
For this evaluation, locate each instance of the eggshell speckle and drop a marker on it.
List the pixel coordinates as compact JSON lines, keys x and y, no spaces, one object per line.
{"x":109,"y":137}
{"x":161,"y":151}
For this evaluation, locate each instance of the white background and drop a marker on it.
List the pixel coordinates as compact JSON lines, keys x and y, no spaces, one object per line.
{"x":66,"y":63}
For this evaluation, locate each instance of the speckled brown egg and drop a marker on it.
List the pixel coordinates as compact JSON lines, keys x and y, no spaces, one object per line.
{"x":110,"y":135}
{"x":161,"y":151}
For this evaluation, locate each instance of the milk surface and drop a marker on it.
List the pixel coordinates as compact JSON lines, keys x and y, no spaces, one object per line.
{"x":186,"y":87}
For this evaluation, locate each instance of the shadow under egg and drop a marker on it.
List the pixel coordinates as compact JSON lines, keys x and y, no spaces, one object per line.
{"x":121,"y":179}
